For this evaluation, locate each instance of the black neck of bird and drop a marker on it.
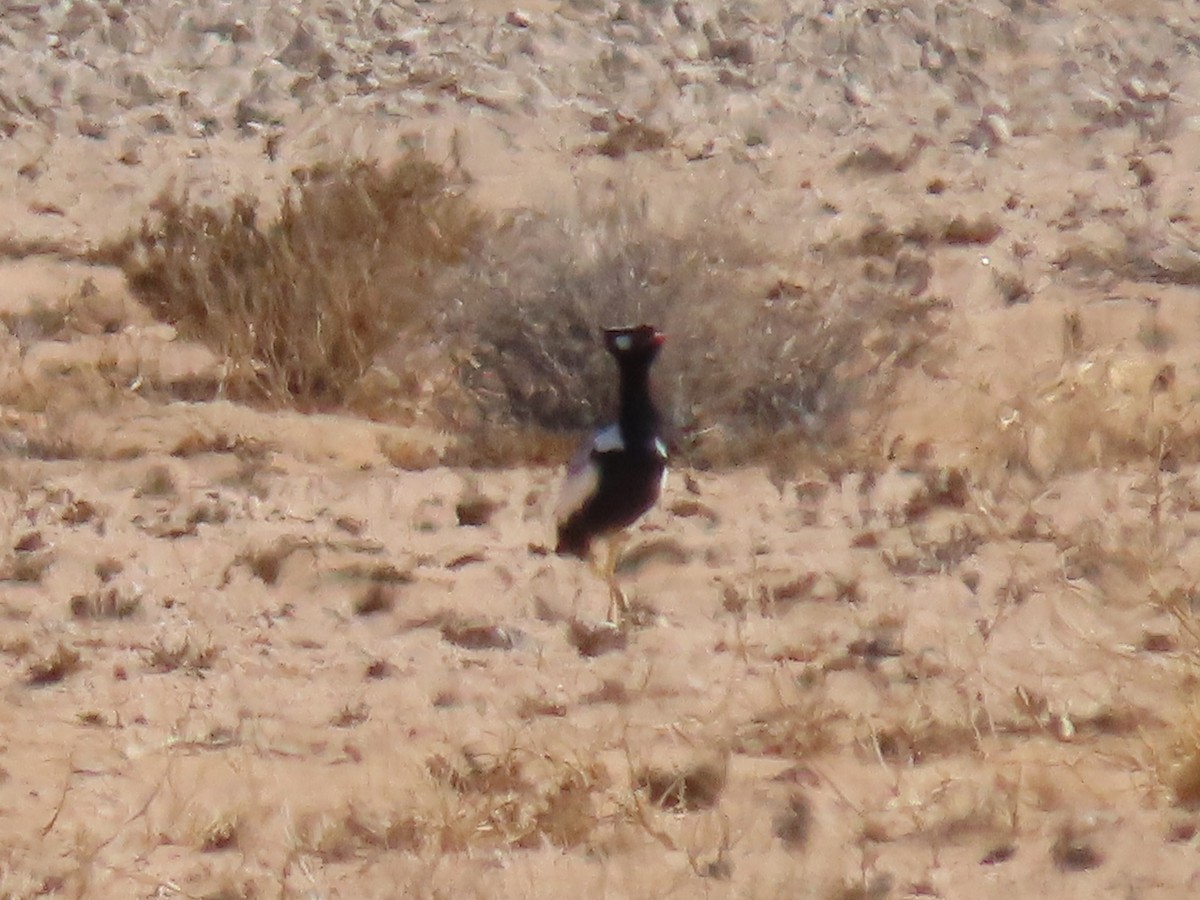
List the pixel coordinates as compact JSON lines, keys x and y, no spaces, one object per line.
{"x":637,"y":416}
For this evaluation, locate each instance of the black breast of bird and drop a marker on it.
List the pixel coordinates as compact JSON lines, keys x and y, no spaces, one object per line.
{"x":609,"y":486}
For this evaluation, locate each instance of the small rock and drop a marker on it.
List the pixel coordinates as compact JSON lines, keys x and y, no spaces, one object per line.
{"x":474,"y":509}
{"x":90,"y":128}
{"x":480,"y":637}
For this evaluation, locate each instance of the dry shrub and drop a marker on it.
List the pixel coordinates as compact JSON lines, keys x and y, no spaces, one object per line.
{"x":793,"y":730}
{"x":511,"y":801}
{"x":1104,"y":410}
{"x":753,"y":361}
{"x":357,"y":829}
{"x":1176,"y":755}
{"x":301,"y":305}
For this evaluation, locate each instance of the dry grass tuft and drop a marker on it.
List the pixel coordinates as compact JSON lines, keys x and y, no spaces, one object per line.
{"x":1107,"y":409}
{"x":221,"y":832}
{"x":266,"y":563}
{"x":79,"y":512}
{"x":300,"y":306}
{"x":508,"y":801}
{"x":357,"y":829}
{"x":53,"y":667}
{"x":375,"y":573}
{"x":350,"y":715}
{"x":1178,"y":756}
{"x":404,"y":451}
{"x":796,"y":730}
{"x":1184,"y":779}
{"x":768,"y":597}
{"x":27,"y":568}
{"x":686,"y":788}
{"x":106,"y":603}
{"x":913,"y":743}
{"x":940,"y":488}
{"x":188,"y":654}
{"x":196,"y":443}
{"x":610,"y":691}
{"x":593,"y":640}
{"x":378,"y":669}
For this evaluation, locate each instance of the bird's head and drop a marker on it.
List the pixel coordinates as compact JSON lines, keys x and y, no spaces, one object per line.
{"x":636,"y":342}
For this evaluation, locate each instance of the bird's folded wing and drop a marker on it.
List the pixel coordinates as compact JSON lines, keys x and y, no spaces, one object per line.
{"x":582,"y":474}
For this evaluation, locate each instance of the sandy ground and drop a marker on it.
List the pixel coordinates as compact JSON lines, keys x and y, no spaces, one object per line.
{"x":259,"y":654}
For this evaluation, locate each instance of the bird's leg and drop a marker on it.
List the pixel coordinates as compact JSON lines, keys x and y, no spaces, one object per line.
{"x":604,"y":573}
{"x":618,"y":606}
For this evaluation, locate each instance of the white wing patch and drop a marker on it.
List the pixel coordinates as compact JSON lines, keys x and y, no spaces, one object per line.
{"x":660,"y":448}
{"x":579,"y":486}
{"x":608,"y":440}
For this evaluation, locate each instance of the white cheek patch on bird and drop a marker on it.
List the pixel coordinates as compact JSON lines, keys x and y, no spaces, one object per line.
{"x":624,"y":342}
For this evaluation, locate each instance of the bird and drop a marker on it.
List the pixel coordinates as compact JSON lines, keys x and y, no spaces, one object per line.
{"x":618,"y":474}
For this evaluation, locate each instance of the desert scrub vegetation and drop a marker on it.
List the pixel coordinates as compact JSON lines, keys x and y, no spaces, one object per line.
{"x":763,"y":348}
{"x":299,"y":306}
{"x":768,"y":353}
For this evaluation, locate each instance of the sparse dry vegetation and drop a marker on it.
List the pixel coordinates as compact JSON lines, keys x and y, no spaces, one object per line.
{"x":300,"y":305}
{"x":917,"y":615}
{"x":764,"y":354}
{"x":755,"y":363}
{"x":189,"y":653}
{"x":106,"y":603}
{"x":54,"y":666}
{"x":509,"y":802}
